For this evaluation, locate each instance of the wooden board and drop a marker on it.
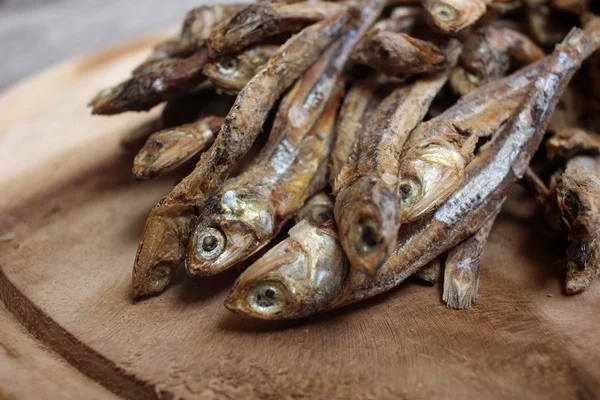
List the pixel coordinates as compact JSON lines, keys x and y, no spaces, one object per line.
{"x":70,"y":220}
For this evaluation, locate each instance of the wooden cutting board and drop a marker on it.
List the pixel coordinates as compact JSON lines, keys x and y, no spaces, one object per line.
{"x":70,"y":219}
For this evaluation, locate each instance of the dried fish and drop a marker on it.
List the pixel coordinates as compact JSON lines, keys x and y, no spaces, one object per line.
{"x":583,"y":259}
{"x":250,"y":209}
{"x":433,"y":160}
{"x":317,"y":210}
{"x":300,"y":276}
{"x":547,"y":26}
{"x":570,"y":142}
{"x":260,"y":21}
{"x":162,"y":247}
{"x":452,"y":16}
{"x":277,"y":188}
{"x":398,"y":54}
{"x":402,"y":19}
{"x":461,"y":277}
{"x":135,"y":138}
{"x":486,"y":57}
{"x":429,"y":274}
{"x":578,"y":195}
{"x":366,"y":208}
{"x":159,"y":82}
{"x":168,"y":149}
{"x":359,"y":104}
{"x":200,"y":21}
{"x":230,"y":74}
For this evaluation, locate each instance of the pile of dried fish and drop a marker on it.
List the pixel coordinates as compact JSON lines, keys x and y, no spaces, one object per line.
{"x":393,"y":131}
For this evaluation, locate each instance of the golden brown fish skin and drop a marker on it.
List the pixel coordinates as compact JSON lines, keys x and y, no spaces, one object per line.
{"x":200,"y":22}
{"x":583,"y":259}
{"x":429,"y":274}
{"x":230,"y":74}
{"x":486,"y":57}
{"x":251,"y":209}
{"x":578,"y":195}
{"x":260,"y":21}
{"x":165,"y":236}
{"x":159,"y":82}
{"x":317,"y":210}
{"x":297,"y":278}
{"x":434,"y":159}
{"x":488,"y":178}
{"x":461,"y":276}
{"x":570,"y":142}
{"x":360,"y":103}
{"x":295,"y":170}
{"x":398,"y":54}
{"x":169,"y":149}
{"x":453,"y":16}
{"x":366,"y":208}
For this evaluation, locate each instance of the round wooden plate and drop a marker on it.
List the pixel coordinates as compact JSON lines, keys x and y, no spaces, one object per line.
{"x":70,"y":220}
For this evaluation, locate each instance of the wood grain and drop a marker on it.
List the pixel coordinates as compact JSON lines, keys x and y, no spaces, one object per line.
{"x":71,"y":217}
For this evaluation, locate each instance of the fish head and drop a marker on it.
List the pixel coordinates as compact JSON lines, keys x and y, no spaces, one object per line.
{"x":429,"y":174}
{"x":231,"y":227}
{"x":316,"y":210}
{"x":296,"y":278}
{"x":229,"y":73}
{"x":451,"y":16}
{"x":368,"y":220}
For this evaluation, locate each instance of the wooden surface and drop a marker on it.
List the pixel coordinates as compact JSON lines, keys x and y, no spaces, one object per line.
{"x":70,"y":220}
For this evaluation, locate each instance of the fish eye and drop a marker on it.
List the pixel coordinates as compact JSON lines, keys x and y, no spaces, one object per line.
{"x":321,"y":214}
{"x":267,"y":297}
{"x":369,"y":237}
{"x":210,"y":243}
{"x":226,"y":67}
{"x":447,"y":13}
{"x":410,"y":191}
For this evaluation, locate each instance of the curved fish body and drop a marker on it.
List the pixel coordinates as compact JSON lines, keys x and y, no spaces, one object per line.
{"x":434,"y":159}
{"x":165,"y":236}
{"x":230,"y":74}
{"x":317,"y":210}
{"x":570,"y":142}
{"x":169,"y":149}
{"x":453,"y":16}
{"x":398,"y":54}
{"x":298,"y":277}
{"x":578,"y":194}
{"x":461,"y":276}
{"x":257,"y":22}
{"x":292,"y":167}
{"x":366,"y":208}
{"x":486,"y":57}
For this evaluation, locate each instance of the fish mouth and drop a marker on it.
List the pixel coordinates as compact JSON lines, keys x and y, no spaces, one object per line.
{"x":368,"y":225}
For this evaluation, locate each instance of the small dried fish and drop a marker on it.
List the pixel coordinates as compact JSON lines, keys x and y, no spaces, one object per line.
{"x":300,"y":276}
{"x":230,"y":74}
{"x":160,"y":81}
{"x":583,"y":264}
{"x":250,"y":210}
{"x":578,"y":195}
{"x":434,"y":158}
{"x":366,"y":208}
{"x":200,"y":21}
{"x":486,"y":57}
{"x":260,"y":21}
{"x":165,"y":236}
{"x":317,"y":210}
{"x":168,"y":149}
{"x":402,"y":19}
{"x":274,"y":191}
{"x":570,"y":142}
{"x":452,"y":16}
{"x":398,"y":54}
{"x":461,"y":277}
{"x":429,"y":274}
{"x":359,"y":104}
